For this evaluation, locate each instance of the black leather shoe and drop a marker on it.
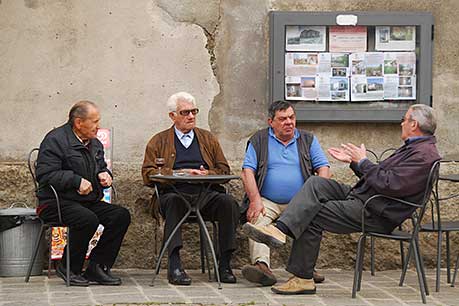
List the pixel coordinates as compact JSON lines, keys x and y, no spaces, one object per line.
{"x":109,"y":273}
{"x":178,"y":277}
{"x":74,"y":279}
{"x":95,"y":273}
{"x":227,"y":276}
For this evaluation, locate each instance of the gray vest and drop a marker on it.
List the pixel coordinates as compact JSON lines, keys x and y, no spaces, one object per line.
{"x":259,"y":142}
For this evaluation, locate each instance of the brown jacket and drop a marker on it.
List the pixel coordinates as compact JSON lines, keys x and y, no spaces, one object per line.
{"x":162,"y":145}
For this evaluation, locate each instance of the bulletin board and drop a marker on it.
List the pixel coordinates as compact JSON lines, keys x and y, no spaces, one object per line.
{"x":351,"y":66}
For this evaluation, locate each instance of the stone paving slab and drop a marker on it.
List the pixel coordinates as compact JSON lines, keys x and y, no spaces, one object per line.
{"x":379,"y":290}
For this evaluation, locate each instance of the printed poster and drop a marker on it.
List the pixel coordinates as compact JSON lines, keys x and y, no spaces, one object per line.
{"x":348,"y":38}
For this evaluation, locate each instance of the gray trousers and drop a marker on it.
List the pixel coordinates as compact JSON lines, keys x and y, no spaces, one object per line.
{"x":323,"y":204}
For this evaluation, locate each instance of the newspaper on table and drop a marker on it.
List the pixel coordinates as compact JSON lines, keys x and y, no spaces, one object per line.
{"x":59,"y":234}
{"x":348,"y":39}
{"x":305,"y":38}
{"x":395,"y":38}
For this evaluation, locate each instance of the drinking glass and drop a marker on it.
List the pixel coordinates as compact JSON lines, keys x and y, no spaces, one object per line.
{"x":160,"y":161}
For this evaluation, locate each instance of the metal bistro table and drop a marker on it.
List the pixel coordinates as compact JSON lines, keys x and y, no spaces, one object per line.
{"x":205,"y":181}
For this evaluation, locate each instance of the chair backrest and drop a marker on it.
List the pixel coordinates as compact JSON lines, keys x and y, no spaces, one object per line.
{"x":32,"y":164}
{"x":371,"y":155}
{"x":431,"y":182}
{"x":435,"y":208}
{"x":386,"y":153}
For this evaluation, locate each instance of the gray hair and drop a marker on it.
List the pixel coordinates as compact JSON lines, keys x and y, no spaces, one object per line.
{"x":425,"y":117}
{"x":80,"y":110}
{"x":180,"y":96}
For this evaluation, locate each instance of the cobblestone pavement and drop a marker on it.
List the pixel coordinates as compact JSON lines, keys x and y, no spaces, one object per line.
{"x":381,"y":289}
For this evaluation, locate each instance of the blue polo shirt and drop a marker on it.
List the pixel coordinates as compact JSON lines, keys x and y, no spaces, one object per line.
{"x":284,"y":178}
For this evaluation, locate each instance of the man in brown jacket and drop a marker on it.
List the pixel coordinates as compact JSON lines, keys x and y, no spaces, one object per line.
{"x":193,"y":151}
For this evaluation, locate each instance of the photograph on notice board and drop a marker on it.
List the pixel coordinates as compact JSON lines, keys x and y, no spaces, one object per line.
{"x":305,"y":38}
{"x":395,"y":38}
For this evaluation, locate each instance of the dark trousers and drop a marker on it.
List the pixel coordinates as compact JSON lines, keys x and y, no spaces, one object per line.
{"x":323,"y":205}
{"x":83,"y":220}
{"x":215,"y":206}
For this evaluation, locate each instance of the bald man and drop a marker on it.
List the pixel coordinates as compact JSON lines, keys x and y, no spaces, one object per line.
{"x":71,"y":159}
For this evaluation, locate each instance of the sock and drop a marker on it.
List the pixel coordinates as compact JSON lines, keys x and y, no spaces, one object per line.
{"x":174,"y":260}
{"x":284,"y":228}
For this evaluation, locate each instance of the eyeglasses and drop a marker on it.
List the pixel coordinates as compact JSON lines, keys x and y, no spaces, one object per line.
{"x":186,"y":112}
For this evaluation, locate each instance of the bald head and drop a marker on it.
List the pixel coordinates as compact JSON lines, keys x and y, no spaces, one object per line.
{"x":81,"y":110}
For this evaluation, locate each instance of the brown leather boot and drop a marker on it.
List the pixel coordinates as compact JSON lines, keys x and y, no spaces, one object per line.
{"x":318,"y":278}
{"x":259,"y":273}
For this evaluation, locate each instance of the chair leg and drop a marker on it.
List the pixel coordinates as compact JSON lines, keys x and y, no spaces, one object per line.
{"x":405,"y":265}
{"x":35,"y":252}
{"x":421,"y":260}
{"x":455,"y":271}
{"x":372,"y":255}
{"x":68,"y":258}
{"x":402,"y":253}
{"x":203,"y":250}
{"x":362,"y":256}
{"x":419,"y":273}
{"x":438,"y":272}
{"x":448,"y":260}
{"x":357,"y":268}
{"x":50,"y":251}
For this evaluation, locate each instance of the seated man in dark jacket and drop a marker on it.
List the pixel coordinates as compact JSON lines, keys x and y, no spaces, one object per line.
{"x":324,"y":204}
{"x":194,"y":151}
{"x":71,"y":159}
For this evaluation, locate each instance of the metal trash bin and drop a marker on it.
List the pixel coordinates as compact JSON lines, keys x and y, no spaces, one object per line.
{"x":17,"y":243}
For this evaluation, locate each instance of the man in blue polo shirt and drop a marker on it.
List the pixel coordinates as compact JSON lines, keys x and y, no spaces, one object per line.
{"x":278,"y":160}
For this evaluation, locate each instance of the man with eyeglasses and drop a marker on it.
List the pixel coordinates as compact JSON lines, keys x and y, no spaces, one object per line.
{"x":192,"y":151}
{"x":326,"y":205}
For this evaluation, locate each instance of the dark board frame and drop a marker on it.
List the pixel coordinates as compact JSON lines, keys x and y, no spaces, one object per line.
{"x":352,"y":112}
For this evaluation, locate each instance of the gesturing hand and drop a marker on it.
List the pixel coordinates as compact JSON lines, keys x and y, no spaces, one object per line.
{"x":356,"y":153}
{"x":85,"y":187}
{"x":105,"y":179}
{"x":340,"y":154}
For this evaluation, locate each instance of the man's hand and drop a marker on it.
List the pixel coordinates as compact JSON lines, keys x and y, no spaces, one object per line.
{"x":85,"y":187}
{"x":340,"y":154}
{"x":200,"y":171}
{"x":356,"y":153}
{"x":255,"y":209}
{"x":105,"y":179}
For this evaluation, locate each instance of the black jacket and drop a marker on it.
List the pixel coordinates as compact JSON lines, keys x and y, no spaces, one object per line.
{"x":63,"y":160}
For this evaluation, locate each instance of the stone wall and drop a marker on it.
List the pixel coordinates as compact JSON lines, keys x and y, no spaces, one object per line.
{"x":129,"y":56}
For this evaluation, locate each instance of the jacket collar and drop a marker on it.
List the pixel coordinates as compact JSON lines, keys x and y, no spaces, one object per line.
{"x":73,"y":140}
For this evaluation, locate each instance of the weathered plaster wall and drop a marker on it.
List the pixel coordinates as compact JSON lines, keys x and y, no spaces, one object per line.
{"x":129,"y":56}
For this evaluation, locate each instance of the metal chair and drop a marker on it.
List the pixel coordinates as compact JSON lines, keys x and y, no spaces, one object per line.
{"x":192,"y":218}
{"x":439,"y":226}
{"x":377,"y":159}
{"x":403,"y":236}
{"x":32,"y":163}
